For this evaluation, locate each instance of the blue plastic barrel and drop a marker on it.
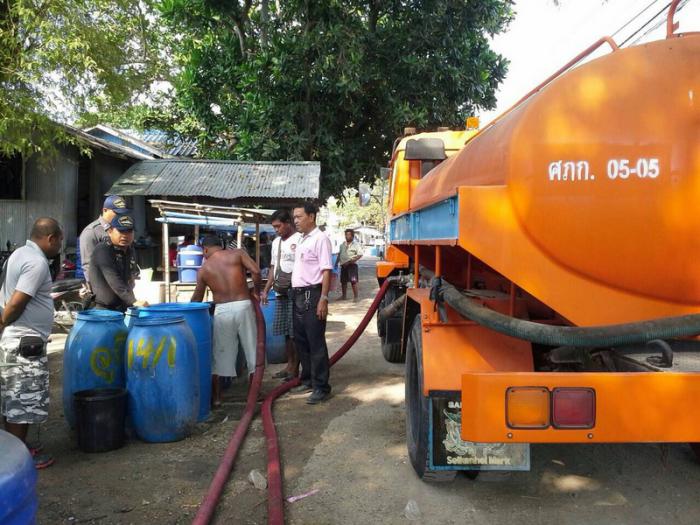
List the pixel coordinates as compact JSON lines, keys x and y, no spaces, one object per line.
{"x":93,"y":356}
{"x":189,"y":261}
{"x":274,"y":344}
{"x":18,"y":501}
{"x":131,"y":313}
{"x":198,"y":319}
{"x":162,"y":377}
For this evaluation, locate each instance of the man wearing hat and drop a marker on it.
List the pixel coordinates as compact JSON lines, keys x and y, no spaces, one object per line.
{"x":96,"y":232}
{"x":111,"y":277}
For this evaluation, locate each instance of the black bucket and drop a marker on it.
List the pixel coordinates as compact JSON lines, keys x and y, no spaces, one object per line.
{"x":100,"y":415}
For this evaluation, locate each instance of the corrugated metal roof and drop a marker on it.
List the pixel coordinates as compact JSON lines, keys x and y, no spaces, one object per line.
{"x":221,"y":179}
{"x":116,"y":136}
{"x":166,"y":142}
{"x":104,"y":145}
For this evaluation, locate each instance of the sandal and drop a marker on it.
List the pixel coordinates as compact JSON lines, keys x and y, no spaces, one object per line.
{"x":281,"y":374}
{"x":42,"y":461}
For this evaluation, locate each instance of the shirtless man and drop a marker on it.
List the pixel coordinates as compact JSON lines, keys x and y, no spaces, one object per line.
{"x":224,"y":272}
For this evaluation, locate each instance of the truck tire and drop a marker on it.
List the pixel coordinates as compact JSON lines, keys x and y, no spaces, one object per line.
{"x":389,"y":296}
{"x":391,"y":350}
{"x":695,"y":447}
{"x":417,"y":411}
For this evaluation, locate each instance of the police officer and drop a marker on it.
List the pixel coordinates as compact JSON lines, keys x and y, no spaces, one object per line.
{"x":96,"y":232}
{"x":111,"y":269}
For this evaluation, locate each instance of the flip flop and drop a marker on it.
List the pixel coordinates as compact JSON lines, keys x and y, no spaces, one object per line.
{"x":280,"y":374}
{"x":42,"y":461}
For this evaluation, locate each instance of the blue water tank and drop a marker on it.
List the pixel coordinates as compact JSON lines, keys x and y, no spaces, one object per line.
{"x":189,"y":261}
{"x":18,"y":502}
{"x":93,"y":356}
{"x":274,"y":344}
{"x":162,"y":377}
{"x":198,"y":319}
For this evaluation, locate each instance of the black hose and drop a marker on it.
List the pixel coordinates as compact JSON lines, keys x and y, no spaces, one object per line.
{"x":590,"y":336}
{"x":391,"y":309}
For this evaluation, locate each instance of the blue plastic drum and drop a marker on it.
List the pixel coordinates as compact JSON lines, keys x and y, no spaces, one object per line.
{"x":162,"y":377}
{"x":189,"y":261}
{"x":198,"y":319}
{"x":93,"y":356}
{"x":129,"y":316}
{"x":18,"y":501}
{"x":274,"y":344}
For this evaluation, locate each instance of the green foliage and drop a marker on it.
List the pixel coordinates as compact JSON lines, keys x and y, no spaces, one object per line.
{"x":63,"y":57}
{"x":331,"y":80}
{"x":350,"y":213}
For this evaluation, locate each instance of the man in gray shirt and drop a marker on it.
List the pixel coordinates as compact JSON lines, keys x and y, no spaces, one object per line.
{"x":96,"y":232}
{"x":26,"y":321}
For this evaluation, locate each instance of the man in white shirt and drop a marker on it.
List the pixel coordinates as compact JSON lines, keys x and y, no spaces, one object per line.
{"x":280,"y":276}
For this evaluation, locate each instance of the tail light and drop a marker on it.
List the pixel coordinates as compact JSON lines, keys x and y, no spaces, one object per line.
{"x":527,"y":407}
{"x":573,"y":408}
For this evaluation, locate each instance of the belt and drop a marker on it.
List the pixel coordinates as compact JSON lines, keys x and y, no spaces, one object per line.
{"x":307,"y":288}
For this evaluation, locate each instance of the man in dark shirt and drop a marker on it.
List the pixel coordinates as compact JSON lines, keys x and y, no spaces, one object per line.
{"x":96,"y":232}
{"x":111,"y":274}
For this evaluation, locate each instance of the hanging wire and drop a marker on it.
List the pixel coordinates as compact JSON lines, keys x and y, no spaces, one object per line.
{"x":640,"y":13}
{"x":656,"y":23}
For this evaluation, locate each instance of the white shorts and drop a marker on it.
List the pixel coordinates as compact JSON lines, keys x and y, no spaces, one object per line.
{"x":234,"y":322}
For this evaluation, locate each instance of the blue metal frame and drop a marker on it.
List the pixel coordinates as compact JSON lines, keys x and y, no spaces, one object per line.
{"x":436,"y":222}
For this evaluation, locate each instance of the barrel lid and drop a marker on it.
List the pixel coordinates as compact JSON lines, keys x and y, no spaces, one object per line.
{"x":100,"y":315}
{"x":192,"y":248}
{"x":173,"y":307}
{"x":159,"y":320}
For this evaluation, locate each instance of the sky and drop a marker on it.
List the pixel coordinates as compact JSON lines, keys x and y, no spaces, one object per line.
{"x":544,"y":36}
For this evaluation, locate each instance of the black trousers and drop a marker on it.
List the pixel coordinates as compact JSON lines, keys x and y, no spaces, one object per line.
{"x":310,"y":339}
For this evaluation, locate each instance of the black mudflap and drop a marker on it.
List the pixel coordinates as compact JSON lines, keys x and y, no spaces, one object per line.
{"x":449,"y":452}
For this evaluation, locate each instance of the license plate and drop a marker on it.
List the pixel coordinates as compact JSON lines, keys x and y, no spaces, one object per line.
{"x":449,"y":452}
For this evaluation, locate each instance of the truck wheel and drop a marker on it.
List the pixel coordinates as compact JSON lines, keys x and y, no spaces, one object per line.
{"x":391,"y":350}
{"x":417,"y":411}
{"x":695,"y":447}
{"x":389,"y":296}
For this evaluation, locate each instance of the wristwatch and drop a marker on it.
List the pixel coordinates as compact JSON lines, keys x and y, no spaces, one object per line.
{"x":323,"y":298}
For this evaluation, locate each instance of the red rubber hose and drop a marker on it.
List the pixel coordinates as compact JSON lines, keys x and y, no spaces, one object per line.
{"x":275,"y":502}
{"x":208,"y":506}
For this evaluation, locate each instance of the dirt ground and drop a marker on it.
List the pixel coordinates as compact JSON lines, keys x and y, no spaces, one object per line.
{"x":351,"y":451}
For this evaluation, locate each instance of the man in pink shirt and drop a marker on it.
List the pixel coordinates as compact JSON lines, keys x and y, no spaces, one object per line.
{"x":311,"y":279}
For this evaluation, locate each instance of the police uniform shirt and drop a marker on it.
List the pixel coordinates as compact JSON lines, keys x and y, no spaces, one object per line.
{"x":93,"y":234}
{"x":111,"y":276}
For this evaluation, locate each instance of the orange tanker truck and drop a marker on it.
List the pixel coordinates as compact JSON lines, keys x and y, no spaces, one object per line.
{"x":545,"y":270}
